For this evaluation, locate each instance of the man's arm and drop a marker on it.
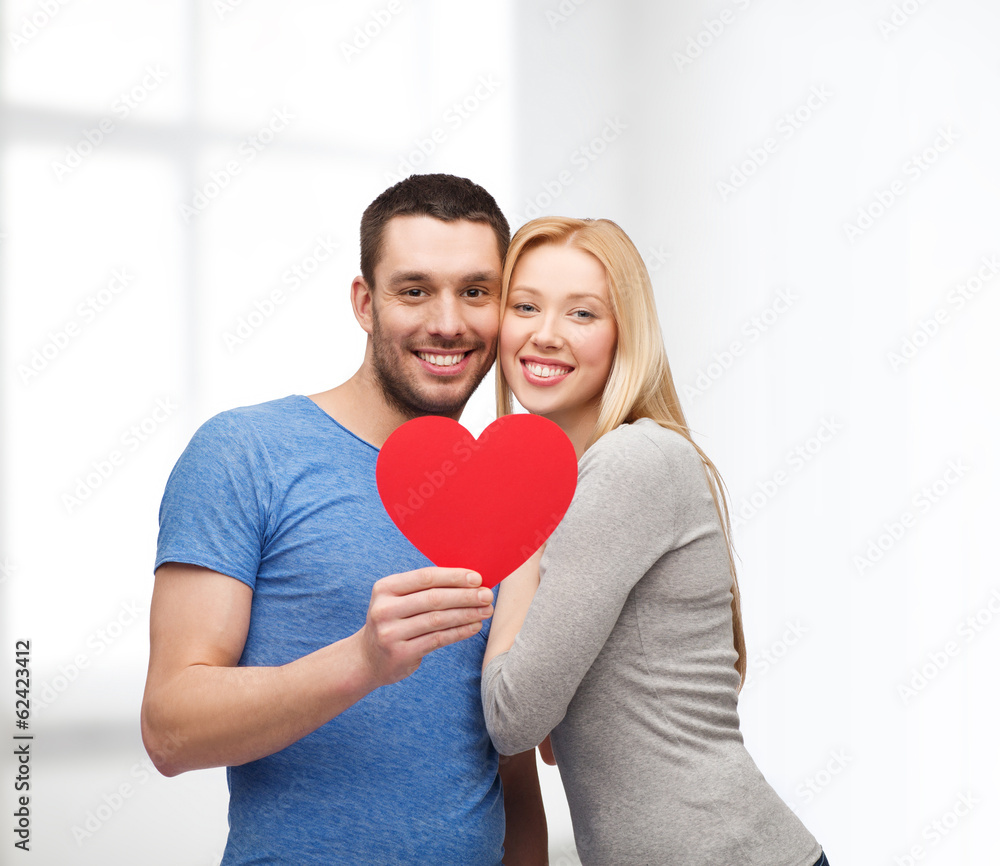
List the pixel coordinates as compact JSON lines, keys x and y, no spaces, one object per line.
{"x":200,"y":710}
{"x":526,"y":842}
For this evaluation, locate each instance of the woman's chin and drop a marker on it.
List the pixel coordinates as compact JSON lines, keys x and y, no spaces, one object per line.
{"x":532,"y":406}
{"x":540,"y":407}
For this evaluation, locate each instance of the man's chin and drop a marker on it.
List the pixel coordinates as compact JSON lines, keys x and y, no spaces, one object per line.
{"x":420,"y":392}
{"x":442,"y":398}
{"x":445,"y":399}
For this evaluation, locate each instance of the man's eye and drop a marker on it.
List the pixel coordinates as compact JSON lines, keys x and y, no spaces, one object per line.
{"x":476,"y":292}
{"x":413,"y":293}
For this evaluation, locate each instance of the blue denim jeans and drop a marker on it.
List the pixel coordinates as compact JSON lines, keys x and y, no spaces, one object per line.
{"x":822,"y":861}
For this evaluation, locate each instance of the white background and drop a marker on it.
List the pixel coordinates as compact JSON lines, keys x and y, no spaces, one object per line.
{"x":797,"y":288}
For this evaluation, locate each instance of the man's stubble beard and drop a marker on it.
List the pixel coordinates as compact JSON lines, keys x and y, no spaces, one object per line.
{"x":397,"y":389}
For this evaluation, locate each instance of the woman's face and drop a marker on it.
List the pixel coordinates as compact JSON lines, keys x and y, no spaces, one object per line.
{"x":558,"y":334}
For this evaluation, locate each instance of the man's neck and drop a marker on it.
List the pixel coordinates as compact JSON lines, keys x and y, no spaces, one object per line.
{"x":360,"y":405}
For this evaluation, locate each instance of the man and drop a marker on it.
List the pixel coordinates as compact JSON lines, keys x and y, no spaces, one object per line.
{"x":345,"y":703}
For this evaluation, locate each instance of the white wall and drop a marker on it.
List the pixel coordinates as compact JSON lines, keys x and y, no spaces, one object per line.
{"x":588,"y":110}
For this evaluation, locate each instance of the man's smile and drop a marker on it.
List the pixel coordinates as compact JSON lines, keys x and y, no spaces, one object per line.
{"x":443,"y":362}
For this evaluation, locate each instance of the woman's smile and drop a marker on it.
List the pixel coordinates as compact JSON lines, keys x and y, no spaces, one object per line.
{"x":544,"y":373}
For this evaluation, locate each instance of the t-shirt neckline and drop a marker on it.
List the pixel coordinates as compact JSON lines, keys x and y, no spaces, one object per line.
{"x":330,"y":417}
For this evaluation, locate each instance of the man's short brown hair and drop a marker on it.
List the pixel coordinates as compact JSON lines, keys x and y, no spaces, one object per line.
{"x":442,"y":196}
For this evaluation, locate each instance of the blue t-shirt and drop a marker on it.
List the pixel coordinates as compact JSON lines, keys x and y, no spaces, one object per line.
{"x":283,"y":498}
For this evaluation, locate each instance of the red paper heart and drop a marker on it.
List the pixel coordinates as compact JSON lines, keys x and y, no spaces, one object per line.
{"x":484,"y":504}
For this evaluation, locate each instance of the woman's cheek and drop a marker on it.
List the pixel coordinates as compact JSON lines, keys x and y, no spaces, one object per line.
{"x":506,"y":350}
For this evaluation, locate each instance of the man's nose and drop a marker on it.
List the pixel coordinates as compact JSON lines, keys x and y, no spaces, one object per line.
{"x":447,"y":317}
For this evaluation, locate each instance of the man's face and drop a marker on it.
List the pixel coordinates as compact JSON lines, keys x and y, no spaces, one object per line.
{"x":435,"y":313}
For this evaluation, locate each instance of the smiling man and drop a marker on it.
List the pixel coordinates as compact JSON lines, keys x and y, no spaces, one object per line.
{"x":296,"y":637}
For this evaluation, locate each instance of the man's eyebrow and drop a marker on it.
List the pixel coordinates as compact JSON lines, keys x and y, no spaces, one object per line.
{"x":398,"y":278}
{"x":482,"y":277}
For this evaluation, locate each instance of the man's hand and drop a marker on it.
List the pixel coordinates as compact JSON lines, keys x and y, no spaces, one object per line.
{"x":526,"y":842}
{"x":413,"y":613}
{"x":545,"y":750}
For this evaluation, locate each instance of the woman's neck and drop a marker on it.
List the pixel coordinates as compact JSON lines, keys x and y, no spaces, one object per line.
{"x":578,"y":424}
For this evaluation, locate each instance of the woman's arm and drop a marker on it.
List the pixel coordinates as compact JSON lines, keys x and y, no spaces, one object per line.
{"x":513,"y":601}
{"x":628,"y":511}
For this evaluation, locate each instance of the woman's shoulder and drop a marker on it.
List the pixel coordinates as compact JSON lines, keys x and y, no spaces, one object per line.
{"x":643,"y":439}
{"x":640,"y":462}
{"x":643,"y":457}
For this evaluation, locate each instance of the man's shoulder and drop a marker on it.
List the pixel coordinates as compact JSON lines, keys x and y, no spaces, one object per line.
{"x":262,"y":419}
{"x":282,"y":407}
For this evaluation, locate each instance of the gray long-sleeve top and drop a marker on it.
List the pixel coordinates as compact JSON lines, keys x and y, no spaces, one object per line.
{"x":626,"y":656}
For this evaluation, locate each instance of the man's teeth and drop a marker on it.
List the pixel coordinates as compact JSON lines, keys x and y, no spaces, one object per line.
{"x":544,"y":372}
{"x":441,"y":360}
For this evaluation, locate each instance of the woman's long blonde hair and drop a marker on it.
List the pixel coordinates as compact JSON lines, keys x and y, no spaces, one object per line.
{"x":640,"y":384}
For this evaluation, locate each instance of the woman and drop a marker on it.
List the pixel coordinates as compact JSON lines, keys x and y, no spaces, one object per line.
{"x":632,"y":652}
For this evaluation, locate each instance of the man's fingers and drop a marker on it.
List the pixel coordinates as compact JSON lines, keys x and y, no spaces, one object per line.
{"x":431,"y":576}
{"x":387,"y":605}
{"x":436,"y":621}
{"x":435,"y":640}
{"x":440,"y":598}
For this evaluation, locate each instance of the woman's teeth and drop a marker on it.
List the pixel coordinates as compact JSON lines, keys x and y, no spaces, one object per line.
{"x":544,"y":372}
{"x":441,"y":360}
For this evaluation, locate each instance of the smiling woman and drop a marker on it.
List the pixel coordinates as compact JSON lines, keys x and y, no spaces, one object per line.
{"x":631,"y":656}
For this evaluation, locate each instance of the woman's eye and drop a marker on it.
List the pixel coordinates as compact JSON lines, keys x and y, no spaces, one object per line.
{"x":524,"y":308}
{"x":583,"y":314}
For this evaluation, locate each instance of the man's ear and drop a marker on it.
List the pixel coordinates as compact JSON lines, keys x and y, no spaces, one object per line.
{"x":361,"y":302}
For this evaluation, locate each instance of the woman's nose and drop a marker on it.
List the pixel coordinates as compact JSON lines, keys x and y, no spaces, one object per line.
{"x":546,"y":333}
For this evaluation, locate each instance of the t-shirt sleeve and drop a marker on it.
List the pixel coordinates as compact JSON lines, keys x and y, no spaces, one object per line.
{"x":215,"y":507}
{"x":626,"y":513}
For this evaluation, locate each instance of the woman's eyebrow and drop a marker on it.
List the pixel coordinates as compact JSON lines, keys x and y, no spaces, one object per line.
{"x":572,"y":296}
